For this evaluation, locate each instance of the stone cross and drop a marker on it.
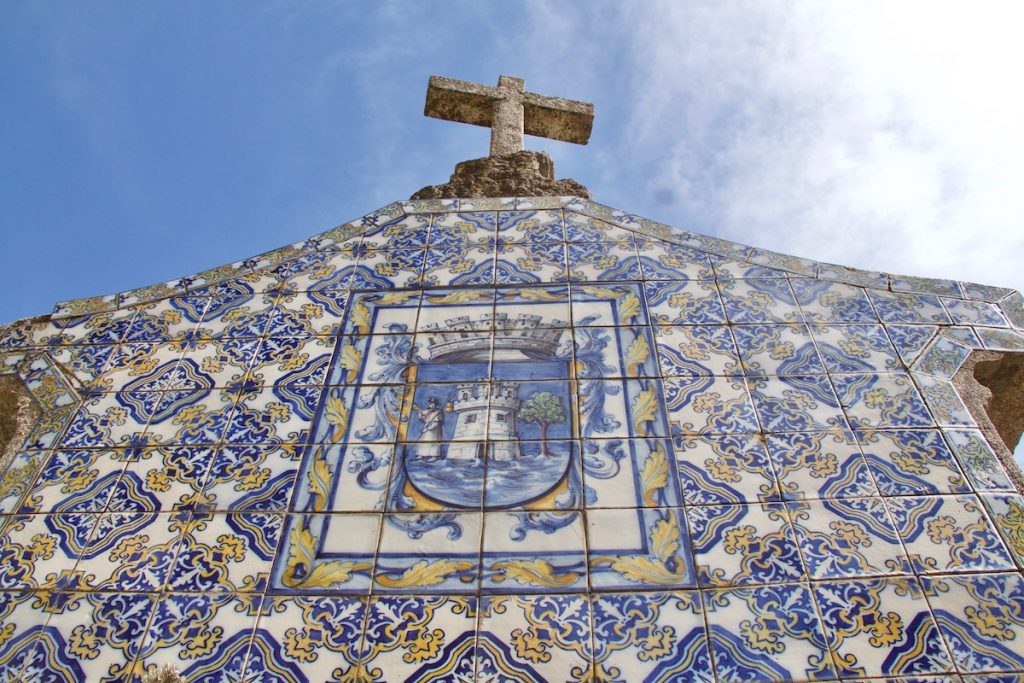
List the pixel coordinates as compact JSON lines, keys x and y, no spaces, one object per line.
{"x":509,"y":112}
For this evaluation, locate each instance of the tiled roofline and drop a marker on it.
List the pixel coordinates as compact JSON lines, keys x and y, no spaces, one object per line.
{"x":1009,"y":301}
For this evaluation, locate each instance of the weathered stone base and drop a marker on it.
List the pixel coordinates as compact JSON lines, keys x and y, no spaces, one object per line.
{"x":522,"y":174}
{"x":991,"y":385}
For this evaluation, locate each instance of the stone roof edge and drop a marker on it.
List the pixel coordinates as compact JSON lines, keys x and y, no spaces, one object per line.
{"x":1010,"y":301}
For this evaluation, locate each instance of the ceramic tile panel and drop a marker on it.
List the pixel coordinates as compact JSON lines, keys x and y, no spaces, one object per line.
{"x":823,"y":301}
{"x":304,"y":638}
{"x":944,"y":533}
{"x":760,"y":300}
{"x":820,"y":465}
{"x":767,"y":633}
{"x":1007,"y":513}
{"x":881,"y":627}
{"x":981,"y":617}
{"x":524,"y":439}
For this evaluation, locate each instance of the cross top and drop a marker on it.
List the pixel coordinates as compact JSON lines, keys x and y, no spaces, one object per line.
{"x":509,"y":112}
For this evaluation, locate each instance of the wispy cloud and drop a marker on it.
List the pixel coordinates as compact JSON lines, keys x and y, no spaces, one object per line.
{"x":880,"y":135}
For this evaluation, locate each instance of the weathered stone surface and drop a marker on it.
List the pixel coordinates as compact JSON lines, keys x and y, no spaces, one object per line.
{"x":18,"y":412}
{"x":509,"y":112}
{"x":991,"y":385}
{"x":522,"y":174}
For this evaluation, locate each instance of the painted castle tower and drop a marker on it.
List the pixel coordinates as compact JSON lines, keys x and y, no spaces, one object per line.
{"x":485,"y":412}
{"x":485,"y":421}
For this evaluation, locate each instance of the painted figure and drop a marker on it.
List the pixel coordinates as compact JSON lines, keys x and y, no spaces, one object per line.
{"x":432,"y":430}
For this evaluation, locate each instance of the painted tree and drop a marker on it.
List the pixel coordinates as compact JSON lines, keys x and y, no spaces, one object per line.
{"x":543,"y":408}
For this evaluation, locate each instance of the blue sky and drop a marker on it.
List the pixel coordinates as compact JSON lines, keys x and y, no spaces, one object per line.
{"x":145,"y":141}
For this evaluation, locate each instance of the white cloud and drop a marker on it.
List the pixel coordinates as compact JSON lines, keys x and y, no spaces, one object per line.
{"x":881,"y":135}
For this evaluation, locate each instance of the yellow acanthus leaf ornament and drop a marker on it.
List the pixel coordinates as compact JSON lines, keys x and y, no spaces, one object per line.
{"x":303,"y":571}
{"x":535,"y":295}
{"x":654,"y":475}
{"x":661,"y":567}
{"x":394,"y":298}
{"x":636,"y":355}
{"x":351,"y":360}
{"x":425,"y":573}
{"x":337,"y":414}
{"x":460,"y":297}
{"x":361,"y":316}
{"x":645,"y":407}
{"x":319,"y":480}
{"x":534,"y":572}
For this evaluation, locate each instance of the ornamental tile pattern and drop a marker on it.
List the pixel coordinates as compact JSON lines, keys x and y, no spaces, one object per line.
{"x":521,"y":439}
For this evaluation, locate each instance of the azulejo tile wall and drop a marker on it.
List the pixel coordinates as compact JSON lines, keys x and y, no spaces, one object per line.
{"x":512,"y":440}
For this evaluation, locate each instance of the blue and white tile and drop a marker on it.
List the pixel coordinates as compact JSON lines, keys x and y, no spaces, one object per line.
{"x":203,"y":635}
{"x":425,"y":553}
{"x":1006,"y":510}
{"x":881,"y":627}
{"x":736,"y":545}
{"x":530,"y":264}
{"x":907,"y":462}
{"x":641,"y":476}
{"x":531,"y":552}
{"x":968,"y":312}
{"x":413,"y":636}
{"x":709,"y":405}
{"x":535,"y":638}
{"x":943,"y":401}
{"x":163,"y":479}
{"x":373,"y":312}
{"x":92,"y":637}
{"x":526,"y":227}
{"x":265,"y":418}
{"x":897,"y":307}
{"x":910,"y":340}
{"x":306,"y":638}
{"x":881,"y":401}
{"x":20,"y":476}
{"x":981,"y":617}
{"x":766,"y":633}
{"x":401,"y":232}
{"x":948,"y":533}
{"x":819,"y":465}
{"x":608,"y":305}
{"x":696,"y":350}
{"x":639,"y":548}
{"x":764,"y":300}
{"x":194,"y":418}
{"x":226,"y":553}
{"x":730,"y":269}
{"x":651,"y":636}
{"x":661,"y":260}
{"x":848,"y":538}
{"x":23,"y":617}
{"x":459,"y":265}
{"x":132,"y":551}
{"x":602,"y":262}
{"x":689,"y":302}
{"x":724,"y":468}
{"x":823,"y":301}
{"x":979,"y":463}
{"x":327,"y":553}
{"x":586,"y":229}
{"x":777,"y":350}
{"x":463,"y":229}
{"x":793,"y":403}
{"x":855,"y":348}
{"x":943,"y":357}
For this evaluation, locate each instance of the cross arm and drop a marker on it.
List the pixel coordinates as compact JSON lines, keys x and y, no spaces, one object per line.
{"x":454,"y":100}
{"x":557,"y":118}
